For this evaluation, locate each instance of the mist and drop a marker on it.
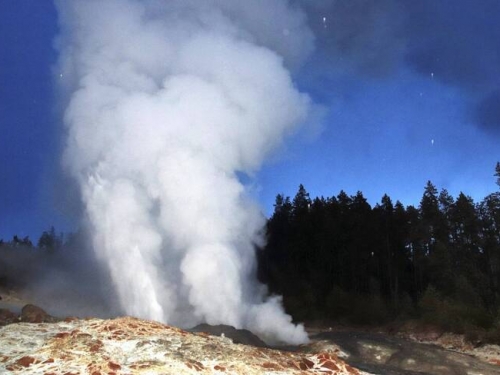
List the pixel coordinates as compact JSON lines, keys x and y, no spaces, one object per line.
{"x":65,"y":279}
{"x":166,"y":102}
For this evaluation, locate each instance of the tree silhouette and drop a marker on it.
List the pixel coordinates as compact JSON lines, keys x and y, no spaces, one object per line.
{"x":338,"y":257}
{"x":49,"y":241}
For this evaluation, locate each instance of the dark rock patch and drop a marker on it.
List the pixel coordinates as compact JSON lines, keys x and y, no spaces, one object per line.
{"x":7,"y":317}
{"x":239,"y":336}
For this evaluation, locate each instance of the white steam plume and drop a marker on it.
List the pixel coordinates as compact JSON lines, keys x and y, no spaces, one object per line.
{"x":168,"y":100}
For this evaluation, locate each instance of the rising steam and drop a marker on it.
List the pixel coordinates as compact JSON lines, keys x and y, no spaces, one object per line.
{"x":167,"y":102}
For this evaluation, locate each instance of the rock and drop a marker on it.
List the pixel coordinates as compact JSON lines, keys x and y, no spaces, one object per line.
{"x":454,"y":342}
{"x":421,"y":332}
{"x":7,"y":317}
{"x":381,"y":354}
{"x":34,"y":314}
{"x":238,"y":336}
{"x":134,"y":346}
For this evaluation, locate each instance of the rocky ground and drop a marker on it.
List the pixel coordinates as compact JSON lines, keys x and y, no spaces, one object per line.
{"x":381,"y":353}
{"x":34,"y":342}
{"x":134,"y":346}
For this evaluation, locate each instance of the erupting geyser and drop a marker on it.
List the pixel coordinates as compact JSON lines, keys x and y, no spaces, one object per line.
{"x":167,"y":101}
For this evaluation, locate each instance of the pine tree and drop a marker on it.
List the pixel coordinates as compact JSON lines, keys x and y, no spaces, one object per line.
{"x":360,"y":243}
{"x":385,"y":219}
{"x":301,"y":202}
{"x":489,"y":215}
{"x":416,"y":245}
{"x":468,"y":256}
{"x":432,"y":219}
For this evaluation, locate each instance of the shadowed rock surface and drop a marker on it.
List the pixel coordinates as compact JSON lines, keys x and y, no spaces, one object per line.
{"x":382,"y":354}
{"x":239,"y":336}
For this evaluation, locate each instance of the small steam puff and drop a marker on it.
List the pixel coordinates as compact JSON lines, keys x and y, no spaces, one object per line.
{"x":168,"y":100}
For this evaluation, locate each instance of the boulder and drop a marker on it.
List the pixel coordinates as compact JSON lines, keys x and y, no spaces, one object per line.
{"x":34,"y":314}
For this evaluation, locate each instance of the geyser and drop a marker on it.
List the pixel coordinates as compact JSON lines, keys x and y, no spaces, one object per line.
{"x":167,"y":102}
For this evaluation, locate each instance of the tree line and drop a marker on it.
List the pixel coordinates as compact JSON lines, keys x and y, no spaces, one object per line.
{"x":338,"y":258}
{"x":49,"y":241}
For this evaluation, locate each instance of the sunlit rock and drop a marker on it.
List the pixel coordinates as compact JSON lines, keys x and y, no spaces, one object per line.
{"x":134,"y":346}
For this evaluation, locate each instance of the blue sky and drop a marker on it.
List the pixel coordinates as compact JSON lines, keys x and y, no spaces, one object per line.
{"x":30,"y":141}
{"x":410,"y":93}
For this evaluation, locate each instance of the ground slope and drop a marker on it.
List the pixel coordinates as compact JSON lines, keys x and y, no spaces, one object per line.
{"x":134,"y":346}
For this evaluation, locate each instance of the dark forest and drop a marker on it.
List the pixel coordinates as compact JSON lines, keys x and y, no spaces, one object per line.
{"x":339,"y":260}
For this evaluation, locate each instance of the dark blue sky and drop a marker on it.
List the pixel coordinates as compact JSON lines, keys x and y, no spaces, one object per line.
{"x":410,"y":92}
{"x":30,"y":141}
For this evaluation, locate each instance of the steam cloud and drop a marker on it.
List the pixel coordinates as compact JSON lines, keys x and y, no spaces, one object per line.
{"x":168,"y":101}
